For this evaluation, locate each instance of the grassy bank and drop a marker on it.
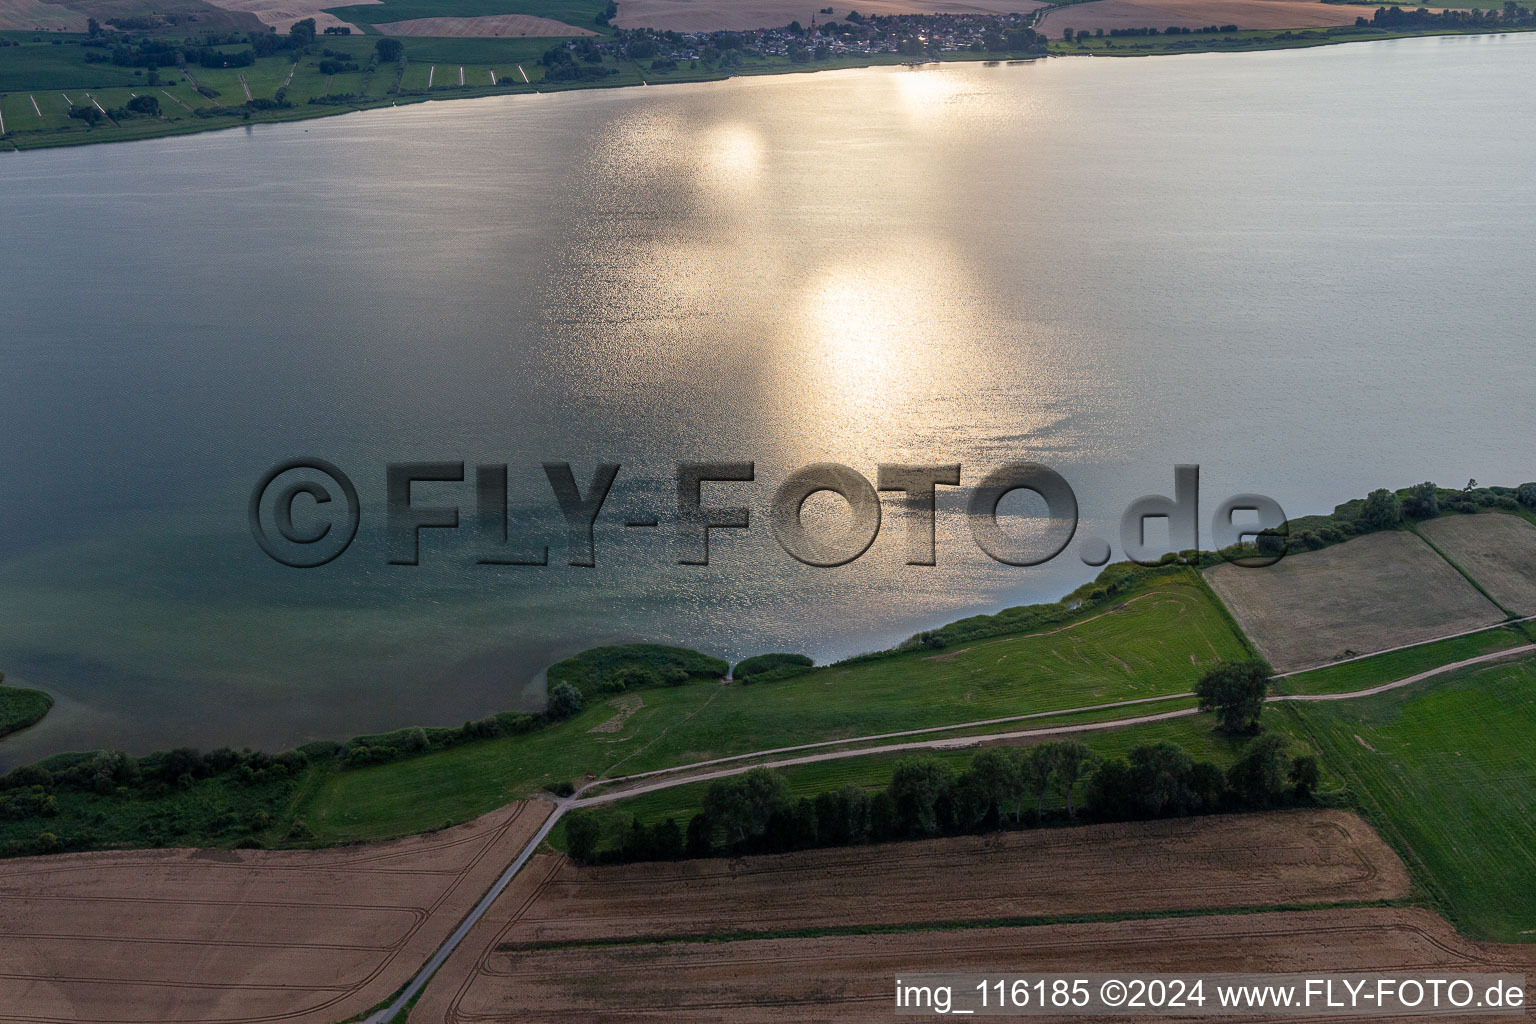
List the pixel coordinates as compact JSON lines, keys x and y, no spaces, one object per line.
{"x":1153,"y":641}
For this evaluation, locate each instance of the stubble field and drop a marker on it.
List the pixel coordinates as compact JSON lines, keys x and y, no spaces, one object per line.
{"x":1499,"y":551}
{"x":763,"y":932}
{"x":1369,"y":594}
{"x":231,"y":936}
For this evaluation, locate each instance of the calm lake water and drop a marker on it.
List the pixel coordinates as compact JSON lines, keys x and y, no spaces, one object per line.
{"x":1308,"y":271}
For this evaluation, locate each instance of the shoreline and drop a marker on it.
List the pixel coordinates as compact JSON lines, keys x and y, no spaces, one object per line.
{"x":1262,"y":41}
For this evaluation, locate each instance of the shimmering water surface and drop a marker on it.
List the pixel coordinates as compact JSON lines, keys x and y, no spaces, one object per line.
{"x":1308,"y":271}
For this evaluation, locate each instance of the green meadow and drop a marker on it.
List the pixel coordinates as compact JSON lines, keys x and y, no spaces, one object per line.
{"x":1446,"y":770}
{"x":1154,"y":642}
{"x":1388,"y":668}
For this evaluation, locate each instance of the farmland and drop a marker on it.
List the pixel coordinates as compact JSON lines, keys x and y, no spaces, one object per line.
{"x":816,"y":935}
{"x":1300,"y":857}
{"x":1375,"y":592}
{"x":1249,"y":14}
{"x":1444,"y":770}
{"x":1496,"y":550}
{"x":181,"y":935}
{"x":1155,"y":642}
{"x":847,"y":977}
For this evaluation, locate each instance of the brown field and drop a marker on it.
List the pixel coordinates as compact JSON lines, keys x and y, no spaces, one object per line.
{"x":1499,"y":551}
{"x":1295,"y":858}
{"x":281,"y":14}
{"x":737,"y":15}
{"x":1249,"y":860}
{"x":850,"y":977}
{"x":495,"y":25}
{"x":226,"y":935}
{"x":1369,"y":594}
{"x":1112,"y":14}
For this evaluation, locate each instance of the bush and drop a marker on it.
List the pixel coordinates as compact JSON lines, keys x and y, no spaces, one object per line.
{"x":635,"y":666}
{"x":1525,"y":494}
{"x":564,"y":701}
{"x":389,"y":50}
{"x":766,"y":667}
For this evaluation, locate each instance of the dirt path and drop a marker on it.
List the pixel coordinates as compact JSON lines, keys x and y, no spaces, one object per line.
{"x":290,"y":75}
{"x":461,"y":76}
{"x":493,"y":78}
{"x":243,"y":85}
{"x":431,"y":73}
{"x":524,"y":74}
{"x":35,"y":109}
{"x":177,"y":101}
{"x":564,"y":804}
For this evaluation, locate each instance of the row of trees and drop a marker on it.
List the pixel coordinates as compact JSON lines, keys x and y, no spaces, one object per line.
{"x":1002,"y":788}
{"x":1384,"y":509}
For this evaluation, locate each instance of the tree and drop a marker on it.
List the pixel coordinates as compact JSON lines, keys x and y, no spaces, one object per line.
{"x":701,"y":836}
{"x":1423,"y":501}
{"x":1258,"y":777}
{"x":917,"y":786}
{"x":998,"y":780}
{"x":1525,"y":494}
{"x":1235,"y":691}
{"x":1111,"y":791}
{"x":667,"y":841}
{"x":582,"y":832}
{"x":564,"y":701}
{"x":1162,"y":774}
{"x":1381,"y":510}
{"x":1072,"y":759}
{"x":1305,"y":775}
{"x":1036,"y":766}
{"x":389,"y":50}
{"x":743,"y":804}
{"x":302,"y":32}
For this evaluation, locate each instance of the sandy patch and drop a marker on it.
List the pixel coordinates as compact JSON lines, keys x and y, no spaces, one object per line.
{"x":281,"y":14}
{"x":1497,"y":550}
{"x":721,"y":15}
{"x":1369,"y":594}
{"x":229,"y":936}
{"x":494,"y":26}
{"x":627,"y":706}
{"x":1160,"y":14}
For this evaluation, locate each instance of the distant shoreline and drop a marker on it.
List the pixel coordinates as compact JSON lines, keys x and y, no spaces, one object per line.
{"x":1247,"y":42}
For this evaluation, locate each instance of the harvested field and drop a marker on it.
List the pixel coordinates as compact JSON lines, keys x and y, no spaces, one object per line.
{"x":281,"y":14}
{"x":1248,"y":860}
{"x":1250,"y":14}
{"x":506,"y":964}
{"x":225,"y":935}
{"x":737,"y":15}
{"x":848,"y":977}
{"x":491,"y":26}
{"x":1369,"y":594}
{"x":1497,"y":550}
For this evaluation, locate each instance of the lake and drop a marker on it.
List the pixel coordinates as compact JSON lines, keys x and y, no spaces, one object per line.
{"x":1308,"y":271}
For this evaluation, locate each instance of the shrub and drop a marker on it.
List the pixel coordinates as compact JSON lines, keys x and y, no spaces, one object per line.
{"x":564,"y":701}
{"x":765,"y":667}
